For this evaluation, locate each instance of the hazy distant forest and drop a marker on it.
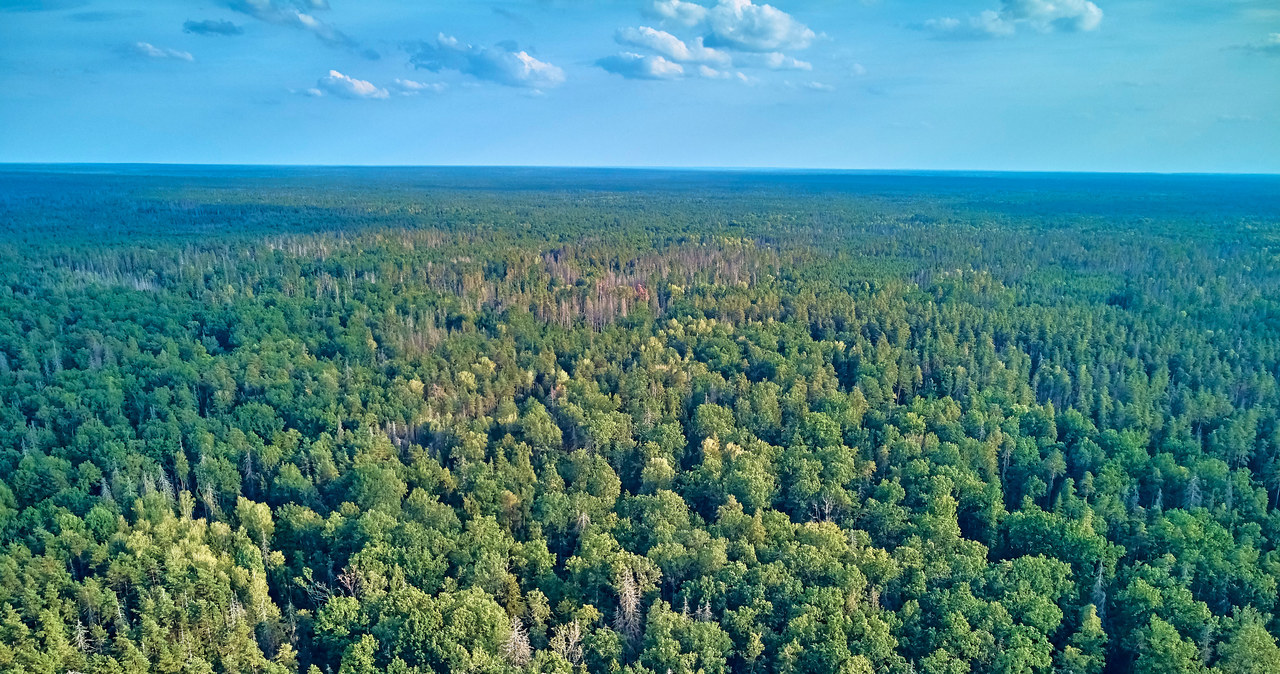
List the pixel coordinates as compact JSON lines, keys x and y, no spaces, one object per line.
{"x":409,"y":421}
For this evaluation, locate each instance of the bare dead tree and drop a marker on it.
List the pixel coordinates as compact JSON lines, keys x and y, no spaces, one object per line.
{"x":627,"y":619}
{"x":516,"y":648}
{"x":567,"y":641}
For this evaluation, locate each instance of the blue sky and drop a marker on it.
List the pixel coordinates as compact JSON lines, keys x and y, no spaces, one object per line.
{"x":1101,"y":85}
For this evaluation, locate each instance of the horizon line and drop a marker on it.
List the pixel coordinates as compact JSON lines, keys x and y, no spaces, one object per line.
{"x":639,"y":168}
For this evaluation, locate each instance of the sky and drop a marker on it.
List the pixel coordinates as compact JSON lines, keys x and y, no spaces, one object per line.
{"x":1052,"y":85}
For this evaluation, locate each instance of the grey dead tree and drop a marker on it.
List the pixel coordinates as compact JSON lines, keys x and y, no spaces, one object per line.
{"x":627,"y":620}
{"x":567,"y":641}
{"x":516,"y":648}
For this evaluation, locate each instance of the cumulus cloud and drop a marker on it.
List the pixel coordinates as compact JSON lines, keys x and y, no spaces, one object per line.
{"x":771,"y":61}
{"x":342,"y":86}
{"x":737,"y":24}
{"x":150,"y":51}
{"x":640,"y":67}
{"x":412,"y":88}
{"x":671,"y":47}
{"x":678,"y":11}
{"x":818,"y":86}
{"x":504,"y":64}
{"x":1046,"y":16}
{"x":733,"y":34}
{"x":295,"y":14}
{"x":743,"y":25}
{"x":212,"y":27}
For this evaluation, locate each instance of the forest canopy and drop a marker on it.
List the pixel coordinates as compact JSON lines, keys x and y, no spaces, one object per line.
{"x":346,"y":421}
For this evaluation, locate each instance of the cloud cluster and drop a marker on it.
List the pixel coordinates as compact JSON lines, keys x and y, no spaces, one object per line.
{"x":211,"y":27}
{"x":1045,"y":16}
{"x":503,"y":64}
{"x":295,"y":14}
{"x":733,"y":34}
{"x":343,"y":86}
{"x":671,"y":47}
{"x":737,"y":24}
{"x":150,"y":51}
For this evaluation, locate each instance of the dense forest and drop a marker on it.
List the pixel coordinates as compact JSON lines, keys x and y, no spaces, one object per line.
{"x":351,"y":421}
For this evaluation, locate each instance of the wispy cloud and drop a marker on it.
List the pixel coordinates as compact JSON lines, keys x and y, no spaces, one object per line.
{"x":212,"y":27}
{"x":413,"y":88}
{"x":296,"y":14}
{"x":503,"y":64}
{"x":771,"y":61}
{"x":149,"y":51}
{"x":100,"y":16}
{"x":1270,"y":46}
{"x":514,"y":17}
{"x":1045,"y":16}
{"x":39,"y":5}
{"x":343,"y":86}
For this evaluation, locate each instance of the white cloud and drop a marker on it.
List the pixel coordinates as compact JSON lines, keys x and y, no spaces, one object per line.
{"x":709,"y":73}
{"x":818,"y":86}
{"x":858,"y":70}
{"x":1050,"y":15}
{"x":293,"y":13}
{"x":343,"y":86}
{"x":502,"y":64}
{"x":671,"y":47}
{"x":740,"y":25}
{"x":1046,"y":16}
{"x":734,"y":34}
{"x":678,"y":11}
{"x":148,"y":50}
{"x":640,"y":67}
{"x":986,"y":25}
{"x":743,"y":25}
{"x":411,"y":87}
{"x":772,"y":61}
